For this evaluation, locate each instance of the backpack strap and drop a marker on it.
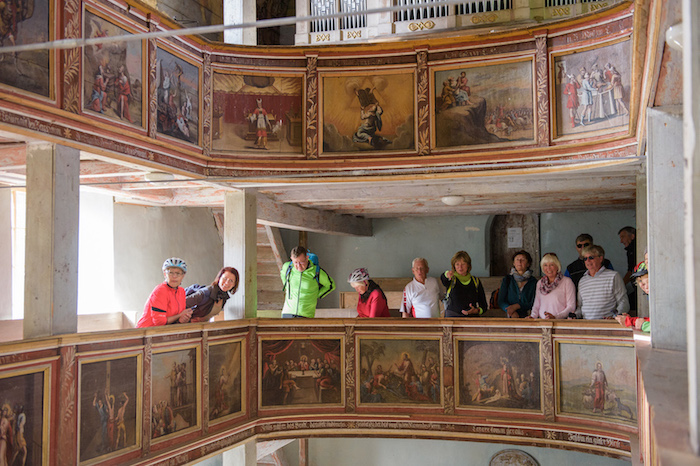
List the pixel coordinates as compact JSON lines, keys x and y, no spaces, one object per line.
{"x":449,"y":289}
{"x":286,"y":278}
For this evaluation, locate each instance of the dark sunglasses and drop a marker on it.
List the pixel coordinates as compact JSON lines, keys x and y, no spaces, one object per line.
{"x":583,"y":245}
{"x":589,"y":258}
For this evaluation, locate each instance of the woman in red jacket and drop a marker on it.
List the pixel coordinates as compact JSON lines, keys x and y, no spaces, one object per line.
{"x":372,"y":301}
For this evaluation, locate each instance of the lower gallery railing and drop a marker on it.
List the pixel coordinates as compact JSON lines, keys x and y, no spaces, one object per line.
{"x":178,"y":393}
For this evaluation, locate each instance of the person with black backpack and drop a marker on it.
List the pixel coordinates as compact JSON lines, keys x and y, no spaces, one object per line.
{"x":208,"y":301}
{"x":304,"y":283}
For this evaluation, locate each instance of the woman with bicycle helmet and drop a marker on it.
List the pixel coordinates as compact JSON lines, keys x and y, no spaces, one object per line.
{"x":372,"y":301}
{"x":166,"y":305}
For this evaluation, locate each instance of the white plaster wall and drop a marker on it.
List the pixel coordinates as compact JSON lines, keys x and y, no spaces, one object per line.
{"x":559,"y":231}
{"x":95,"y":254}
{"x":6,"y":254}
{"x":145,"y":236}
{"x":400,"y":452}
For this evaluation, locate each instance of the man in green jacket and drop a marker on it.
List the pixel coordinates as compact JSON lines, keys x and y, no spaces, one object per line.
{"x":304,"y":284}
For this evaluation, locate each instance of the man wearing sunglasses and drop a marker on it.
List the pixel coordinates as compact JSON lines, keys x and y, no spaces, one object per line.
{"x":601,"y":292}
{"x":577,"y":268}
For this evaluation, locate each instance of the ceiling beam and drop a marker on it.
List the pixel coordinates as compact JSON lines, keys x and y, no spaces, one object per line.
{"x":298,"y":218}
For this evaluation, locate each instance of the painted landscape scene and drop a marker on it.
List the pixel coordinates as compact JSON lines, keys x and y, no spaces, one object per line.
{"x":400,"y":371}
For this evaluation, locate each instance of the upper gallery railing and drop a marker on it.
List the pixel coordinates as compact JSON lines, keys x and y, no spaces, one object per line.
{"x":431,"y":15}
{"x":174,"y":394}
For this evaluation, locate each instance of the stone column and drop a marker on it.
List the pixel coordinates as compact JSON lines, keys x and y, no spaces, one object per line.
{"x":239,"y":12}
{"x":380,"y":24}
{"x":51,"y":258}
{"x":240,"y":251}
{"x":665,"y":227}
{"x":303,"y":27}
{"x":642,"y":236}
{"x":691,"y":149}
{"x":6,"y":253}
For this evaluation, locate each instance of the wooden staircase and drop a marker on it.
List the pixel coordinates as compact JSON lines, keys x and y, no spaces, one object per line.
{"x":271,"y":256}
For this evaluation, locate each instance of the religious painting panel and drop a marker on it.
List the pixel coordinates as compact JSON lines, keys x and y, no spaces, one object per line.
{"x":175,"y":388}
{"x":591,"y":89}
{"x":301,"y":372}
{"x":368,"y":113}
{"x":178,"y":87}
{"x":257,"y":113}
{"x":477,"y":104}
{"x":24,"y":419}
{"x":226,"y":395}
{"x":499,"y":374}
{"x":113,"y":73}
{"x":399,"y":371}
{"x":597,"y":380}
{"x":24,"y":22}
{"x":110,"y":407}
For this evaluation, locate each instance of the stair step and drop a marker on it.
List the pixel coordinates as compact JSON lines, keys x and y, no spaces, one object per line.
{"x":265,"y":254}
{"x":261,"y":237}
{"x":269,"y":282}
{"x":265,"y":296}
{"x":268,"y":268}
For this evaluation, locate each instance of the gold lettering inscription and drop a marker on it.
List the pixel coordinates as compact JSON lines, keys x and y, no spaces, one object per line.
{"x":564,"y":11}
{"x":598,"y":6}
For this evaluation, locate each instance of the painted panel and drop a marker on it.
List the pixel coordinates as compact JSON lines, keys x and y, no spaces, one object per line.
{"x":112,"y":73}
{"x":226,"y":388}
{"x":248,"y":108}
{"x":174,"y":392}
{"x":110,"y":398}
{"x":25,"y":416}
{"x":400,"y":371}
{"x":26,"y":22}
{"x":592,"y":89}
{"x":477,"y":104}
{"x":499,"y":374}
{"x":368,"y":113}
{"x":301,"y":372}
{"x":178,"y":84}
{"x":598,"y":381}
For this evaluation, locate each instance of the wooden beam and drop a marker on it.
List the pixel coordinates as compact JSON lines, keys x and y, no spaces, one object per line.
{"x":273,"y":235}
{"x":298,"y":218}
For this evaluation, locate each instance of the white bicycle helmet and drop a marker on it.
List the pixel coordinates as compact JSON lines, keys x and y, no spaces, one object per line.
{"x":358,"y":275}
{"x":175,"y":262}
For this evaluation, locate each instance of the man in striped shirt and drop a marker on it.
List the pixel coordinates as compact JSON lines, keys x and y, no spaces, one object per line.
{"x":601,"y":291}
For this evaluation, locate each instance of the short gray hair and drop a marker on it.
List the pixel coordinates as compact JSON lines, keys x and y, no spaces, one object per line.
{"x":419,"y":259}
{"x":594,"y":249}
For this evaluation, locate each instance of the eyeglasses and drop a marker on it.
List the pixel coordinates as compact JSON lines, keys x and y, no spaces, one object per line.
{"x":583,"y":245}
{"x":589,"y":258}
{"x":174,"y":273}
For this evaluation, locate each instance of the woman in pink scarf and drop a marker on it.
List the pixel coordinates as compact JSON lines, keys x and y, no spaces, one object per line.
{"x":555,"y":297}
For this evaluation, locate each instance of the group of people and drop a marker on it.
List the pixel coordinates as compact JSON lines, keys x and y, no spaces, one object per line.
{"x":455,"y":92}
{"x":169,"y":303}
{"x":581,"y":90}
{"x":113,"y":429}
{"x":588,"y":288}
